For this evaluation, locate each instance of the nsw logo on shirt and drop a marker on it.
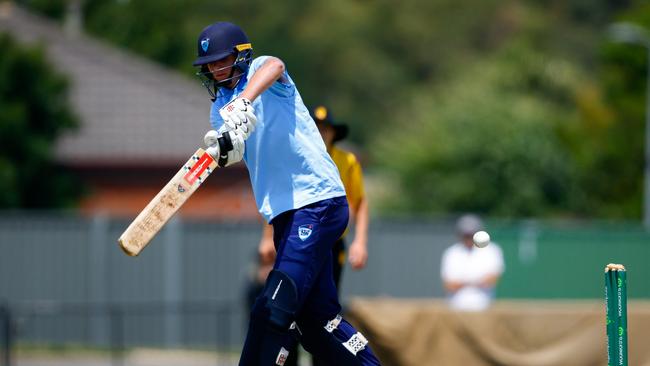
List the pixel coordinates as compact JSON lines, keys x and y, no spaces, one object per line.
{"x":304,"y":231}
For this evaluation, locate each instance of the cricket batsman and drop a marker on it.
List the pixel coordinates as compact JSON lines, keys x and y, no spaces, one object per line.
{"x":259,"y":117}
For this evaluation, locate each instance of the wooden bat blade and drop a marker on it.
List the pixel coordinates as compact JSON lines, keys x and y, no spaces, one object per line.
{"x":162,"y":207}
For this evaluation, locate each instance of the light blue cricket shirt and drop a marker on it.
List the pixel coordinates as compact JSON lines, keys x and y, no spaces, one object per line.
{"x":287,"y":161}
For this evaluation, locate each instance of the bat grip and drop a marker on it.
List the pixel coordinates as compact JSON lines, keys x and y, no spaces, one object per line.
{"x":225,"y":145}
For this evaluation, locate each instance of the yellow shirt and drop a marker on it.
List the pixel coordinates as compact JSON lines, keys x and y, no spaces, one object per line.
{"x":351,"y":175}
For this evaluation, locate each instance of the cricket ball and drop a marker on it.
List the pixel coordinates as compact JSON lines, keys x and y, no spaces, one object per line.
{"x":481,"y":239}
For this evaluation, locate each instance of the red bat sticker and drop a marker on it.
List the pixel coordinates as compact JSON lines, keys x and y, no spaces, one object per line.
{"x":198,"y":168}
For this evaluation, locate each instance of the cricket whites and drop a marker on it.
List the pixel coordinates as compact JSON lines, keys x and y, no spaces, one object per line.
{"x":162,"y":207}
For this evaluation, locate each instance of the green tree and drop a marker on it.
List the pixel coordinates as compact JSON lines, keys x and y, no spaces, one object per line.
{"x":525,"y":130}
{"x":488,"y":141}
{"x":348,"y":54}
{"x":566,"y":144}
{"x":34,"y":111}
{"x":155,"y":29}
{"x":617,"y":163}
{"x":52,"y":8}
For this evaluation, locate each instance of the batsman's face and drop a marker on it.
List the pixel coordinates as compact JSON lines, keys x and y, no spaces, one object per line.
{"x":221,"y":69}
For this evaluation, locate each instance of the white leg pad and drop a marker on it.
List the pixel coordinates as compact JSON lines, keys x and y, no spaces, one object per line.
{"x":282,"y":357}
{"x":356,"y":343}
{"x":333,"y":324}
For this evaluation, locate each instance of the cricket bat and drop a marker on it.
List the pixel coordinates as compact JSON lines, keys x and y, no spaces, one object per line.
{"x":162,"y":207}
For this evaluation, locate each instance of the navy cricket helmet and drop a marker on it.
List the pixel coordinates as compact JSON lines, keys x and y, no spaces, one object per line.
{"x":220,"y":40}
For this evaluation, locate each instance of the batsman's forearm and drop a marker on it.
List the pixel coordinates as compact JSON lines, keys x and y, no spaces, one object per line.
{"x":264,"y":77}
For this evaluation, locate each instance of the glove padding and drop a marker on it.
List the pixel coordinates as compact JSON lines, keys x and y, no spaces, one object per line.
{"x":239,"y":115}
{"x":227,"y":147}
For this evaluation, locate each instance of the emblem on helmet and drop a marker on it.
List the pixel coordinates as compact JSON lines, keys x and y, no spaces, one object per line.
{"x":205,"y":44}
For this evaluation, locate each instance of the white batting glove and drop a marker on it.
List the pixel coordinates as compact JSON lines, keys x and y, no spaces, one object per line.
{"x":238,"y":148}
{"x":221,"y":150}
{"x":239,"y":115}
{"x":211,"y":140}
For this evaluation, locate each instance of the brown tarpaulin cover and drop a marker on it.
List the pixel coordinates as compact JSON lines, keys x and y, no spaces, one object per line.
{"x":524,"y":333}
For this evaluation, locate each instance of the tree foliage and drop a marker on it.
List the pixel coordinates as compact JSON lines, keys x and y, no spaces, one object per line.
{"x":488,"y":142}
{"x":615,"y":157}
{"x":52,"y":8}
{"x":34,"y":110}
{"x":518,"y":132}
{"x":501,"y":107}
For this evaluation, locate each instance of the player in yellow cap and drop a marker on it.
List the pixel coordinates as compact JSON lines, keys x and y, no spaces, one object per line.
{"x":352,"y":177}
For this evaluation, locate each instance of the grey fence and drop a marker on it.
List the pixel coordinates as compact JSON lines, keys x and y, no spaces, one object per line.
{"x":110,"y":330}
{"x":64,"y":280}
{"x":76,"y":259}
